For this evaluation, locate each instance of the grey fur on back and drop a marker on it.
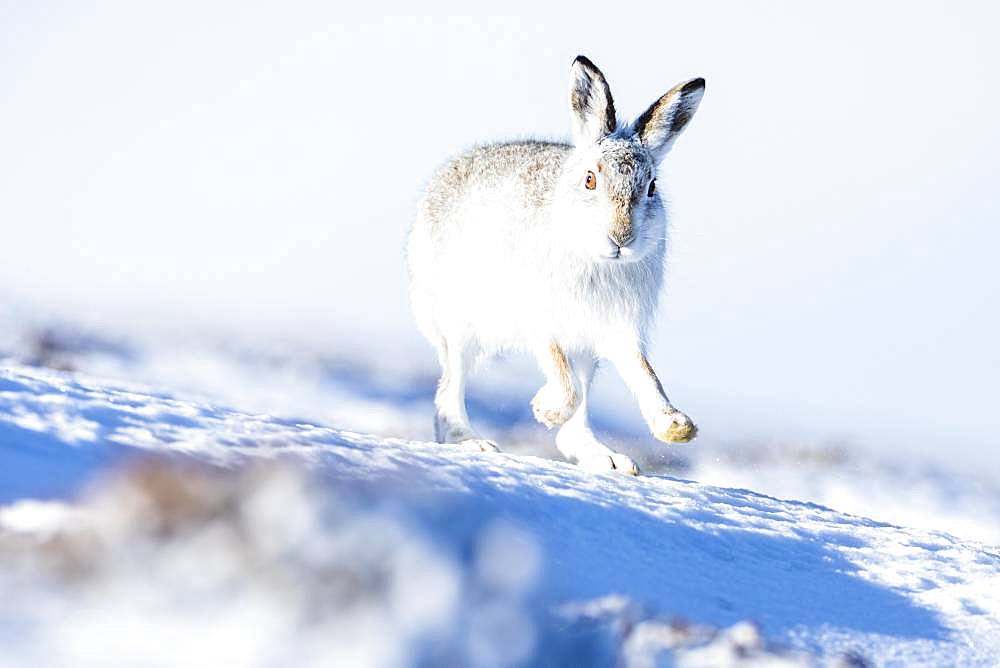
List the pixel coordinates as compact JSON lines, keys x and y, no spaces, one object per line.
{"x":533,"y":167}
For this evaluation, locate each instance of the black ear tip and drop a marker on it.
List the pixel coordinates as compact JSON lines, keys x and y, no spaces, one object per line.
{"x":585,"y":61}
{"x":694,"y":84}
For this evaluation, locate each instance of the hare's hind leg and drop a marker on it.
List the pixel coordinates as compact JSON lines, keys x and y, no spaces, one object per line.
{"x":451,"y":422}
{"x":576,"y":440}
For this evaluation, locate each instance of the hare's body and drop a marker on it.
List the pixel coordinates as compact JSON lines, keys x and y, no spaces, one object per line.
{"x":514,"y":249}
{"x":483,"y":264}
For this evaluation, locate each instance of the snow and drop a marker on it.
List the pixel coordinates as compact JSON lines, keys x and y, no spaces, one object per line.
{"x":136,"y":518}
{"x":216,"y":264}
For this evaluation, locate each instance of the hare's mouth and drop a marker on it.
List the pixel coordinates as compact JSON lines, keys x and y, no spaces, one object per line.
{"x":612,"y":250}
{"x":616,"y":253}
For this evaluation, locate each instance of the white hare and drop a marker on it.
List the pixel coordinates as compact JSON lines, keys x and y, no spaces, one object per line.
{"x":559,"y":250}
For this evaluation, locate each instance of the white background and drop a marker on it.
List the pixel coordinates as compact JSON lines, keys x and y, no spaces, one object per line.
{"x":250,"y":170}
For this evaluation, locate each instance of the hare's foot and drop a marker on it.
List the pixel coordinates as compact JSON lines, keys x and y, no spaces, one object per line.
{"x":673,"y":426}
{"x":578,"y":443}
{"x":603,"y":463}
{"x":463,"y":436}
{"x":553,"y":405}
{"x":478,"y":445}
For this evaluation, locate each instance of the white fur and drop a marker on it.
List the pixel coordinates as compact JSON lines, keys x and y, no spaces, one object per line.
{"x":511,"y":252}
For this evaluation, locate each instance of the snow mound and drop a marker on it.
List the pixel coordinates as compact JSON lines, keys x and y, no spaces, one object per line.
{"x":255,"y":540}
{"x":197,"y":562}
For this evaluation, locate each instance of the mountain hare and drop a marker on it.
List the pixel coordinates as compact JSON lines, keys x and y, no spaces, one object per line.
{"x":559,"y":250}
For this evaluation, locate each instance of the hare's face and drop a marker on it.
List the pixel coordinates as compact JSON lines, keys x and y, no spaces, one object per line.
{"x":612,"y":171}
{"x":619,"y":215}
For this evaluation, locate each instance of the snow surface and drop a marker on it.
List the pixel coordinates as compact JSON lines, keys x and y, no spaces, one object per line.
{"x":339,"y":389}
{"x":486,"y":559}
{"x":190,"y":207}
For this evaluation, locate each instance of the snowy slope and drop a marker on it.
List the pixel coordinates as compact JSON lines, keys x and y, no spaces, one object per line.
{"x":347,"y":390}
{"x":561,"y":546}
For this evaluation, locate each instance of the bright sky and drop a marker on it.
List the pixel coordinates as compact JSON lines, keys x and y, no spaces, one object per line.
{"x":833,"y":274}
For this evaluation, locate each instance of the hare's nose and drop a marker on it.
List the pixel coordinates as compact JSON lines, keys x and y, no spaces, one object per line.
{"x":621,"y":239}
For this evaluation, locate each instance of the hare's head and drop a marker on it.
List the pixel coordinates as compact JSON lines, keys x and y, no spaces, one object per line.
{"x":611,"y":174}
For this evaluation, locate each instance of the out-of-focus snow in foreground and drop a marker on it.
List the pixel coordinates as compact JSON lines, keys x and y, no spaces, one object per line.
{"x":142,"y":527}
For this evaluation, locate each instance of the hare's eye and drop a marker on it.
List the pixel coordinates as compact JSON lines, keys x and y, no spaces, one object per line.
{"x":591,"y":181}
{"x":652,"y":188}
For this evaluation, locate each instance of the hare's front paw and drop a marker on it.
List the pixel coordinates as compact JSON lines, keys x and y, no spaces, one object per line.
{"x":552,"y":405}
{"x":613,"y":461}
{"x":672,"y":426}
{"x":478,"y":445}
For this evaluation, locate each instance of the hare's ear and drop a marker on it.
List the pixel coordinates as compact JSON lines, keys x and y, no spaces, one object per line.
{"x":666,"y":118}
{"x":590,"y":102}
